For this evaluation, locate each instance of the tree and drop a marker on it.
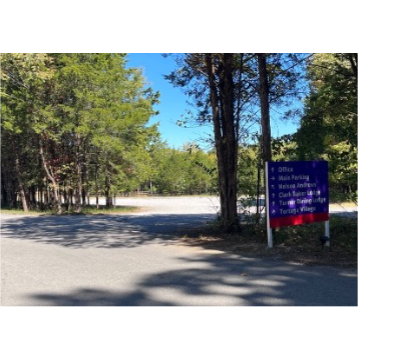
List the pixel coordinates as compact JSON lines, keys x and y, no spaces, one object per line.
{"x":265,"y":106}
{"x":329,"y":126}
{"x":210,"y":80}
{"x":187,"y":171}
{"x":108,"y":109}
{"x":228,"y":90}
{"x":24,"y":79}
{"x":73,"y":123}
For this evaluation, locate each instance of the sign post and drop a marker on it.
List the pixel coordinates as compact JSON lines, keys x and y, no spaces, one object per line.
{"x":269,"y":229}
{"x":297,"y":193}
{"x":327,"y":232}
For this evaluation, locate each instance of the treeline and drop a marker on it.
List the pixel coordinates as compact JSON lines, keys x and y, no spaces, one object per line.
{"x":72,"y":125}
{"x":76,"y":125}
{"x":186,"y":171}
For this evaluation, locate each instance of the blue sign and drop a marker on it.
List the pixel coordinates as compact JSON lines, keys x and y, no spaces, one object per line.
{"x":297,"y":192}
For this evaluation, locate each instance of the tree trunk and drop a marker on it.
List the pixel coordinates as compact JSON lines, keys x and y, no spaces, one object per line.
{"x":65,"y":195}
{"x":108,"y":193}
{"x":353,"y":60}
{"x":225,"y":140}
{"x":4,"y":195}
{"x":265,"y":114}
{"x":21,"y":191}
{"x":33,"y":202}
{"x":214,"y":101}
{"x":11,"y":192}
{"x":71,"y":197}
{"x":21,"y":188}
{"x":86,"y":184}
{"x":96,"y":187}
{"x":84,"y":196}
{"x":78,"y":168}
{"x":265,"y":107}
{"x":40,"y":196}
{"x":258,"y":190}
{"x":50,"y":176}
{"x":231,"y":143}
{"x":45,"y":194}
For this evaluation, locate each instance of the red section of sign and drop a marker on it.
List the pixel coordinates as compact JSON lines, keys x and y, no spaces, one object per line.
{"x":300,"y":219}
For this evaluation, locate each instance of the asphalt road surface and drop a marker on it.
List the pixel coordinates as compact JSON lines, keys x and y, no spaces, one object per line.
{"x":135,"y":260}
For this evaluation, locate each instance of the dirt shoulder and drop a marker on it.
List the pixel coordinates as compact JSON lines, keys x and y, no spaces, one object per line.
{"x":313,"y":255}
{"x":297,"y":244}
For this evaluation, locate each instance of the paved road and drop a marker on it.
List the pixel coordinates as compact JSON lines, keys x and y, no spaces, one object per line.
{"x":135,"y":259}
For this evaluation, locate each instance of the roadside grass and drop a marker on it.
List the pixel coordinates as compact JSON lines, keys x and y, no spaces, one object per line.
{"x":86,"y":210}
{"x":343,"y":235}
{"x":167,"y":195}
{"x":300,"y":244}
{"x":113,"y":210}
{"x":15,"y":211}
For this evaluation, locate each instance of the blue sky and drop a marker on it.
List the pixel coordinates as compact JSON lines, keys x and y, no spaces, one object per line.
{"x":173,"y":103}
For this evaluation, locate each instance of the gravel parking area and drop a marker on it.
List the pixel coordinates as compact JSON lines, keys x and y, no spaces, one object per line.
{"x":180,"y":205}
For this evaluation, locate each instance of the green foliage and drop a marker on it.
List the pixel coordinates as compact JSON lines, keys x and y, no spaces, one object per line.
{"x":343,"y":233}
{"x":283,"y":148}
{"x":91,"y":115}
{"x":329,"y":127}
{"x":105,"y":210}
{"x":249,"y":162}
{"x":187,"y":171}
{"x":16,"y":211}
{"x":88,"y":116}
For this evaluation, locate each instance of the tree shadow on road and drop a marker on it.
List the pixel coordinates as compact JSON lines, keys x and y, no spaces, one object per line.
{"x":201,"y":279}
{"x":101,"y":231}
{"x":223,"y":280}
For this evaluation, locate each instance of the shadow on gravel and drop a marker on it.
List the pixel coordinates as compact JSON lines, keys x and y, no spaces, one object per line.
{"x":101,"y":231}
{"x":226,"y":281}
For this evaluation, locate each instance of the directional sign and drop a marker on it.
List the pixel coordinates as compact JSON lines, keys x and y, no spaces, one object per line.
{"x":297,"y":192}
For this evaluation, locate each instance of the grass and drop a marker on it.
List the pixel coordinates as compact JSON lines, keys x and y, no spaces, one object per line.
{"x":299,"y":244}
{"x":343,"y":235}
{"x":84,"y":211}
{"x":15,"y":211}
{"x":104,"y":210}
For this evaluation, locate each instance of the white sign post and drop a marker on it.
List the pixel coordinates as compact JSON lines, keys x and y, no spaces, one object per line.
{"x":267,"y":210}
